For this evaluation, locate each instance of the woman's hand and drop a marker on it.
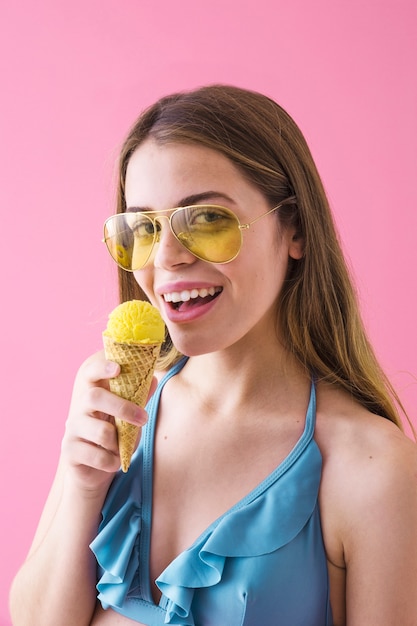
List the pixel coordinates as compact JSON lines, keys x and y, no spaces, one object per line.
{"x":89,"y":446}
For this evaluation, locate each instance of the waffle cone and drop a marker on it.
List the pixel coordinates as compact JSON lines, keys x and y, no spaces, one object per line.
{"x":137,"y":363}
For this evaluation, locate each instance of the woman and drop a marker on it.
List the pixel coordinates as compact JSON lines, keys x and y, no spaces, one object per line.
{"x":273,"y":484}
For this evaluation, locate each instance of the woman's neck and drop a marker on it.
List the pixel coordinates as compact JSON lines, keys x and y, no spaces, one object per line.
{"x":264,"y":377}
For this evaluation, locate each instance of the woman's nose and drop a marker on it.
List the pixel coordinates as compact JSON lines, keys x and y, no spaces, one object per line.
{"x":168,"y":250}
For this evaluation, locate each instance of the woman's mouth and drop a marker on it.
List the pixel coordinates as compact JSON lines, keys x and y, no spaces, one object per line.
{"x":189,"y":298}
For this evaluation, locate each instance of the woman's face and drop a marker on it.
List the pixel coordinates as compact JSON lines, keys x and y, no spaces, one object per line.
{"x":208,"y":307}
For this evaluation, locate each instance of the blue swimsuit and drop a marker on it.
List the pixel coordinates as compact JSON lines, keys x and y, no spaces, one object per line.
{"x":262,"y":563}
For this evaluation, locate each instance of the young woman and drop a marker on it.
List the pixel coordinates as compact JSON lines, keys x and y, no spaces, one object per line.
{"x":272,"y":484}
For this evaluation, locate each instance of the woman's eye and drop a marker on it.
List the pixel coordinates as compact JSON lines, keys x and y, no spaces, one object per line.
{"x":143,"y":228}
{"x":212,"y":216}
{"x":208,"y":216}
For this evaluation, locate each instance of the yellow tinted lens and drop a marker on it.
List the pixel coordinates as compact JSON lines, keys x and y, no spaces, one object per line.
{"x":212,"y":233}
{"x":129,"y":238}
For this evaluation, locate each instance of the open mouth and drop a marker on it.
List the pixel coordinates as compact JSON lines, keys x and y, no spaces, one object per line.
{"x":183,"y":300}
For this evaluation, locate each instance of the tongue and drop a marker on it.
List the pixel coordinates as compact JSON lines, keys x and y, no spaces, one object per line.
{"x":193,"y":302}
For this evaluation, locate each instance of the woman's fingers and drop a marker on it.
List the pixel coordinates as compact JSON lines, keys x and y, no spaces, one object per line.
{"x":90,"y":441}
{"x":103,"y":401}
{"x":96,"y":369}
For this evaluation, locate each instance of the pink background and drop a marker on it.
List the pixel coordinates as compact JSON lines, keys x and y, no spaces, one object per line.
{"x":75,"y":74}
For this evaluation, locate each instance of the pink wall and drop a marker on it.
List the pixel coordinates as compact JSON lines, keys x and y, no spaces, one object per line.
{"x":73,"y":77}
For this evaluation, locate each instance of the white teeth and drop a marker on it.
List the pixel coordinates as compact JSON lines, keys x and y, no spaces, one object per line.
{"x":186,"y":295}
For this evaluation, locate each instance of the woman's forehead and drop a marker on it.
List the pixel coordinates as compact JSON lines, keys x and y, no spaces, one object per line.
{"x":162,"y":175}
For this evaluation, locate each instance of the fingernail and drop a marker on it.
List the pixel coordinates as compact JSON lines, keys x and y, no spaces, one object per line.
{"x":112,"y":368}
{"x":141,"y":417}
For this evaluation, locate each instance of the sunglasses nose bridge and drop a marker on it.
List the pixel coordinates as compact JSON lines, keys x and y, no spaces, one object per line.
{"x":168,"y":234}
{"x":158,"y":219}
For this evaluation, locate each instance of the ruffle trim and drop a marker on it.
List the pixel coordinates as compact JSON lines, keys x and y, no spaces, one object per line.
{"x":116,"y":551}
{"x":269,"y":518}
{"x":116,"y":544}
{"x":251,"y":529}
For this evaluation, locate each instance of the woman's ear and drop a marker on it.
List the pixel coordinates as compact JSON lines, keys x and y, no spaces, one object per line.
{"x":296,"y":246}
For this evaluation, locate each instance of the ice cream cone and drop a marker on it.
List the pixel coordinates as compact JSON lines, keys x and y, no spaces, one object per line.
{"x":137,"y":363}
{"x":133,"y":338}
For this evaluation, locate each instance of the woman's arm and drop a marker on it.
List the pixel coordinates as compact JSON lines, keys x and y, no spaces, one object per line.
{"x":379,"y":530}
{"x":56,"y":584}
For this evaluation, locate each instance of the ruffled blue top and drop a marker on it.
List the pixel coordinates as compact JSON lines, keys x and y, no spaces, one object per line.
{"x":261,"y":563}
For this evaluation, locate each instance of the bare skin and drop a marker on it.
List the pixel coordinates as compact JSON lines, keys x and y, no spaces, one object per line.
{"x":382,"y":471}
{"x":231,"y":402}
{"x":347,"y":436}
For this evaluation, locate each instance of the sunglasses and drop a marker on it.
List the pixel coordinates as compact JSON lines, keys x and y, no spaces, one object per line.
{"x":211,"y":233}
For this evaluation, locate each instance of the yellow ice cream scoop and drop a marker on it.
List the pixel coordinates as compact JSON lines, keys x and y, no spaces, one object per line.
{"x":133,"y":338}
{"x":135,"y":321}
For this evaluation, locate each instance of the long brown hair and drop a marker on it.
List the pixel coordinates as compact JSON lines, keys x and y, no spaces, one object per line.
{"x":319,"y":315}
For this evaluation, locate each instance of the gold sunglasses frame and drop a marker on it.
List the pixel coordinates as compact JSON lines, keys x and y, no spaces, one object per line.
{"x":161,"y":215}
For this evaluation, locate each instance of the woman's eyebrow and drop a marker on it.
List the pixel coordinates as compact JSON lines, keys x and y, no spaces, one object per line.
{"x":188,"y":200}
{"x":204,"y":196}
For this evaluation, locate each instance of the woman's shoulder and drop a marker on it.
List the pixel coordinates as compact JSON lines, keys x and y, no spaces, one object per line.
{"x":368,"y":508}
{"x":348,"y":433}
{"x":369,"y":478}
